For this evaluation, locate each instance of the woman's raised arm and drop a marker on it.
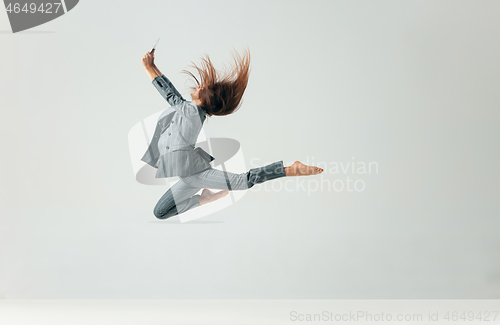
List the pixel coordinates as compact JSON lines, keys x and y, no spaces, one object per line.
{"x":160,"y":81}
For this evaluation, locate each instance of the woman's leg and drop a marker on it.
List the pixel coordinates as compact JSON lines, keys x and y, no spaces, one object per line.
{"x":218,"y":179}
{"x":178,"y":199}
{"x":222,"y":180}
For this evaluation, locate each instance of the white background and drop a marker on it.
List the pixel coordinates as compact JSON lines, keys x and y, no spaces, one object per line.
{"x":411,"y":85}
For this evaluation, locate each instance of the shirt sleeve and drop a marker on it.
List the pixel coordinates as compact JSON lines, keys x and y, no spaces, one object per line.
{"x":167,"y":90}
{"x":179,"y":104}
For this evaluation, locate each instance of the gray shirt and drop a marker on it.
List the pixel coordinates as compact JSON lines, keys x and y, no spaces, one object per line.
{"x":172,"y":149}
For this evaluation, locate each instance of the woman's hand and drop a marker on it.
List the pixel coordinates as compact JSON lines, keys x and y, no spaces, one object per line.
{"x":148,"y":59}
{"x":149,"y":64}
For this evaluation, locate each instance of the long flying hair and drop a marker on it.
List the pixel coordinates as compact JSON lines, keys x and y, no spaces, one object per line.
{"x":222,"y":92}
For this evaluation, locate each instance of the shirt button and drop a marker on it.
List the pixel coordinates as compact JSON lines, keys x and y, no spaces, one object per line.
{"x":172,"y":122}
{"x":167,"y":147}
{"x":168,"y":133}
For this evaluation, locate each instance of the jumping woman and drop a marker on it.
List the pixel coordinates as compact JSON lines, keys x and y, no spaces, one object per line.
{"x":172,"y":149}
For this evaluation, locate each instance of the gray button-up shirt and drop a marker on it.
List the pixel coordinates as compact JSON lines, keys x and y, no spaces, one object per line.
{"x":172,"y":150}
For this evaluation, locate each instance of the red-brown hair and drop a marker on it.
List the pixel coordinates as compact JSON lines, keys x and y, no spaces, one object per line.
{"x":221,"y":94}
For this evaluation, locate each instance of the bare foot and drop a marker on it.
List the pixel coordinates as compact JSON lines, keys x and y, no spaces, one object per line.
{"x":208,"y":196}
{"x":299,"y":169}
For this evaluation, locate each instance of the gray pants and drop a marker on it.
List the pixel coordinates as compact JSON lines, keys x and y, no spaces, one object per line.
{"x":180,"y":197}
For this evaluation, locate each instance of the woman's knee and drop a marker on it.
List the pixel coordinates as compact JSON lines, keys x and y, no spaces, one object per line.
{"x":162,"y":214}
{"x":238,"y":182}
